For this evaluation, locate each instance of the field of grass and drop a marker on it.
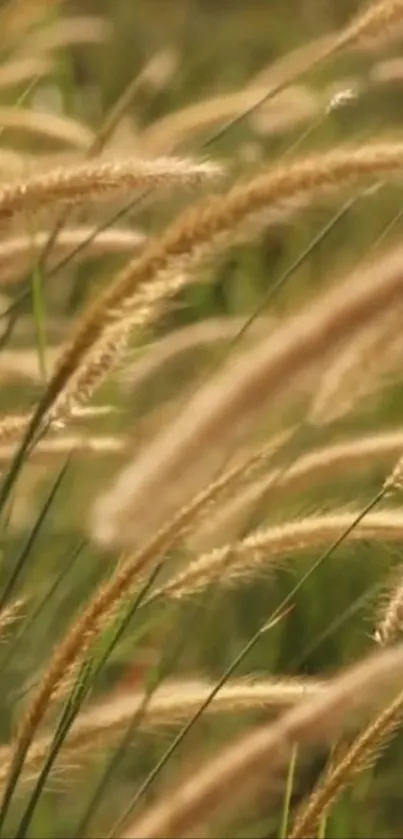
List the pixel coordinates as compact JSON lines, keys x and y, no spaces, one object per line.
{"x":201,"y":428}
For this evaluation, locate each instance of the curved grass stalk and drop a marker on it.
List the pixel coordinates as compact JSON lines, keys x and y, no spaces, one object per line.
{"x":241,"y":768}
{"x":262,"y":550}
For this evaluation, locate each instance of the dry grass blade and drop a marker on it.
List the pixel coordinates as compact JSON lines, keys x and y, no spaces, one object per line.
{"x":68,"y":32}
{"x":390,"y":621}
{"x":50,"y":449}
{"x":199,"y":227}
{"x":359,"y":756}
{"x":165,"y":479}
{"x":18,"y":17}
{"x":294,"y":62}
{"x":170,"y":705}
{"x":147,"y":306}
{"x":226,"y":406}
{"x":296,"y":106}
{"x":284,"y":111}
{"x":50,"y":126}
{"x":380,"y":20}
{"x":99,"y":180}
{"x":105,"y":600}
{"x":340,"y":459}
{"x":12,"y":426}
{"x":22,"y":70}
{"x":356,"y":371}
{"x":261,"y":551}
{"x":10,"y":614}
{"x":242,"y":768}
{"x":18,"y":253}
{"x":389,"y":70}
{"x":183,"y":341}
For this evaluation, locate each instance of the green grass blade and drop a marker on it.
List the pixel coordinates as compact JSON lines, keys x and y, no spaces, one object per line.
{"x":145,"y":786}
{"x":89,"y":671}
{"x":39,"y":313}
{"x":285,"y":819}
{"x":66,"y":568}
{"x":23,"y":557}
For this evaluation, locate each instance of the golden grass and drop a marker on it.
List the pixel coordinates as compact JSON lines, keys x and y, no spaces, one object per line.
{"x":240,"y":769}
{"x":390,"y":619}
{"x":108,"y":596}
{"x":98,"y":180}
{"x":201,"y":225}
{"x":228,"y":403}
{"x":47,"y":125}
{"x":18,"y":253}
{"x":81,"y":444}
{"x":344,"y":459}
{"x":23,"y":70}
{"x":357,"y":371}
{"x":169,"y":706}
{"x":362,"y":753}
{"x":67,"y":32}
{"x":261,"y":550}
{"x":247,"y":432}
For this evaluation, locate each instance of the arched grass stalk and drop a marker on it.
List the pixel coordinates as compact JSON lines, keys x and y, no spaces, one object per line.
{"x":17,"y":252}
{"x":226,"y":407}
{"x":10,"y":614}
{"x":169,"y":706}
{"x":20,"y":70}
{"x":197,"y":229}
{"x":241,"y":768}
{"x":20,"y":561}
{"x":197,"y":715}
{"x":99,"y":180}
{"x":87,"y":675}
{"x":390,"y":621}
{"x":48,"y":125}
{"x":343,"y":459}
{"x":262,"y":550}
{"x":68,"y":32}
{"x":358,"y":369}
{"x":373,"y":24}
{"x":51,"y":449}
{"x":362,"y":753}
{"x":70,"y":559}
{"x":276,"y":616}
{"x":182,"y":341}
{"x":103,"y":604}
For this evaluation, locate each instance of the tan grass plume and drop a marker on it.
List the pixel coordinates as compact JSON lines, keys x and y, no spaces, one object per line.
{"x":97,"y":180}
{"x":390,"y":621}
{"x":308,"y":470}
{"x":67,"y":32}
{"x":47,"y":125}
{"x":226,"y":406}
{"x":21,"y":70}
{"x":362,"y":754}
{"x":261,"y":550}
{"x":108,"y":596}
{"x":245,"y":766}
{"x":358,"y":368}
{"x":18,"y":253}
{"x":170,"y":705}
{"x":199,"y":227}
{"x":52,"y":448}
{"x":180,"y":342}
